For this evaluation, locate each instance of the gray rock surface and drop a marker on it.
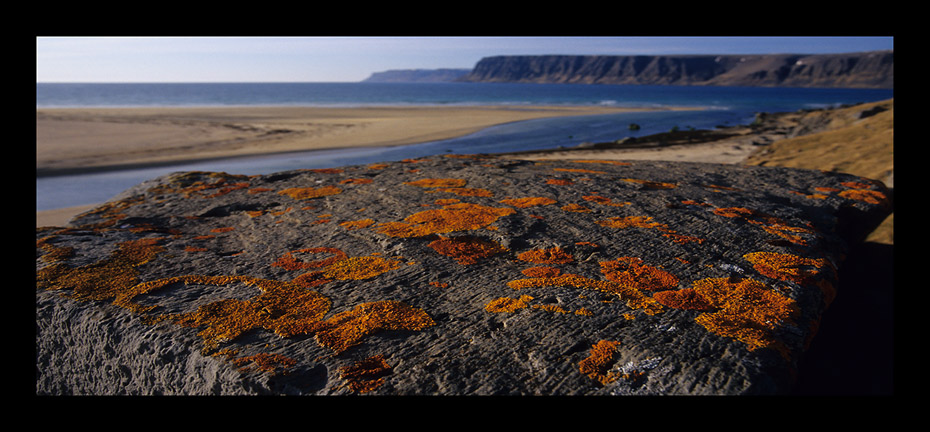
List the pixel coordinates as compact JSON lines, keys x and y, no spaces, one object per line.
{"x":461,"y":275}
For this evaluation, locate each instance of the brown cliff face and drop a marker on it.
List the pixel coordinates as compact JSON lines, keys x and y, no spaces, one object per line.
{"x":862,"y":70}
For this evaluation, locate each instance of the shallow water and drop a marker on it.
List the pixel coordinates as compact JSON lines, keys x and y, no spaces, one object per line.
{"x":722,"y":106}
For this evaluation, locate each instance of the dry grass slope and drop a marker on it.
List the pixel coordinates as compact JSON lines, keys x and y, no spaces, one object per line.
{"x":848,"y":143}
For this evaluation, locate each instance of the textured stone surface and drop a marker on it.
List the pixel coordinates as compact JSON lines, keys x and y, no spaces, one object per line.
{"x":449,"y":275}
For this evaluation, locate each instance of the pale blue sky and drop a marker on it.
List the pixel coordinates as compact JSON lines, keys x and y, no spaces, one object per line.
{"x":352,"y":59}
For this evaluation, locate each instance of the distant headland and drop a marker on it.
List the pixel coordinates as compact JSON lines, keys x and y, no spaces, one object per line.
{"x":418,"y":75}
{"x":873,"y":69}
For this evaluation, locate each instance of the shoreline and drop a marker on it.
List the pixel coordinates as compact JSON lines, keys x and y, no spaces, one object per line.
{"x":90,"y":140}
{"x":87,"y":140}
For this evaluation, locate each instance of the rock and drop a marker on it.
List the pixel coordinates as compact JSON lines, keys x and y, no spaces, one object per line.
{"x":456,"y":275}
{"x":866,"y":113}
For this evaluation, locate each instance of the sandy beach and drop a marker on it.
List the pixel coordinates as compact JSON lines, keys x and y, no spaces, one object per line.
{"x":75,"y":140}
{"x":84,"y":140}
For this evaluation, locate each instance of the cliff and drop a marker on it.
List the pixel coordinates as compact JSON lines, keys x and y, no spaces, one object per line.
{"x":457,"y":275}
{"x":417,"y":75}
{"x":854,"y":70}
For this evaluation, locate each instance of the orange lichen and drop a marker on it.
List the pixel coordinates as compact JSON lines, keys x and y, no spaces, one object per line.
{"x":635,"y":299}
{"x":576,"y":208}
{"x":683,"y":239}
{"x":826,"y":189}
{"x":189,"y":184}
{"x":310,"y":279}
{"x":868,"y":196}
{"x":446,"y":201}
{"x":326,"y":170}
{"x":310,"y":192}
{"x":603,"y":200}
{"x":528,"y":202}
{"x":561,"y":182}
{"x":578,"y":170}
{"x":537,"y":272}
{"x":632,"y":272}
{"x":111,"y":278}
{"x":630,"y":222}
{"x":228,"y":189}
{"x":54,"y":253}
{"x":466,"y":250}
{"x":652,"y":184}
{"x":347,"y":329}
{"x":356,"y":181}
{"x":378,"y":166}
{"x":597,"y":365}
{"x":439,"y":284}
{"x":437,"y":183}
{"x":695,"y":203}
{"x":222,"y":230}
{"x":856,"y":185}
{"x":546,"y":256}
{"x":609,"y":162}
{"x":284,"y":308}
{"x":451,"y":218}
{"x":686,"y":298}
{"x":359,"y":224}
{"x":550,"y":308}
{"x":195,"y":249}
{"x":583,"y":312}
{"x":464,"y":191}
{"x":507,"y":304}
{"x":721,"y":188}
{"x":366,"y":374}
{"x":289,"y":262}
{"x":734,"y":212}
{"x":259,"y":190}
{"x":359,"y":268}
{"x":770,"y":224}
{"x":786,"y":267}
{"x":746,"y":310}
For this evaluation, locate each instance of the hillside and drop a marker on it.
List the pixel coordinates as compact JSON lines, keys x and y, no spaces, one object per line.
{"x":852,"y":70}
{"x":417,"y":75}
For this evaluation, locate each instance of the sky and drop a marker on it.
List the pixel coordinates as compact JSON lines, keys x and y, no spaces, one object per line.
{"x":352,"y":59}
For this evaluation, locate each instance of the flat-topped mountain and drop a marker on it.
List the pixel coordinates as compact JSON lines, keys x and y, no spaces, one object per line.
{"x":853,"y":70}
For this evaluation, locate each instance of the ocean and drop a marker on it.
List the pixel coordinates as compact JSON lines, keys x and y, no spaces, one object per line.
{"x":721,"y":106}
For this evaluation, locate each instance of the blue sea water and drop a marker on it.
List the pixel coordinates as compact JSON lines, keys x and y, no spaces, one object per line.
{"x":721,"y":106}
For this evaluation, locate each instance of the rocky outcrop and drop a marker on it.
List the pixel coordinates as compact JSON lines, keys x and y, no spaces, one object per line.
{"x":417,"y":75}
{"x":854,"y":70}
{"x":458,"y":275}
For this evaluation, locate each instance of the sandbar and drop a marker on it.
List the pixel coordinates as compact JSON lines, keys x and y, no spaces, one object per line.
{"x":92,"y":139}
